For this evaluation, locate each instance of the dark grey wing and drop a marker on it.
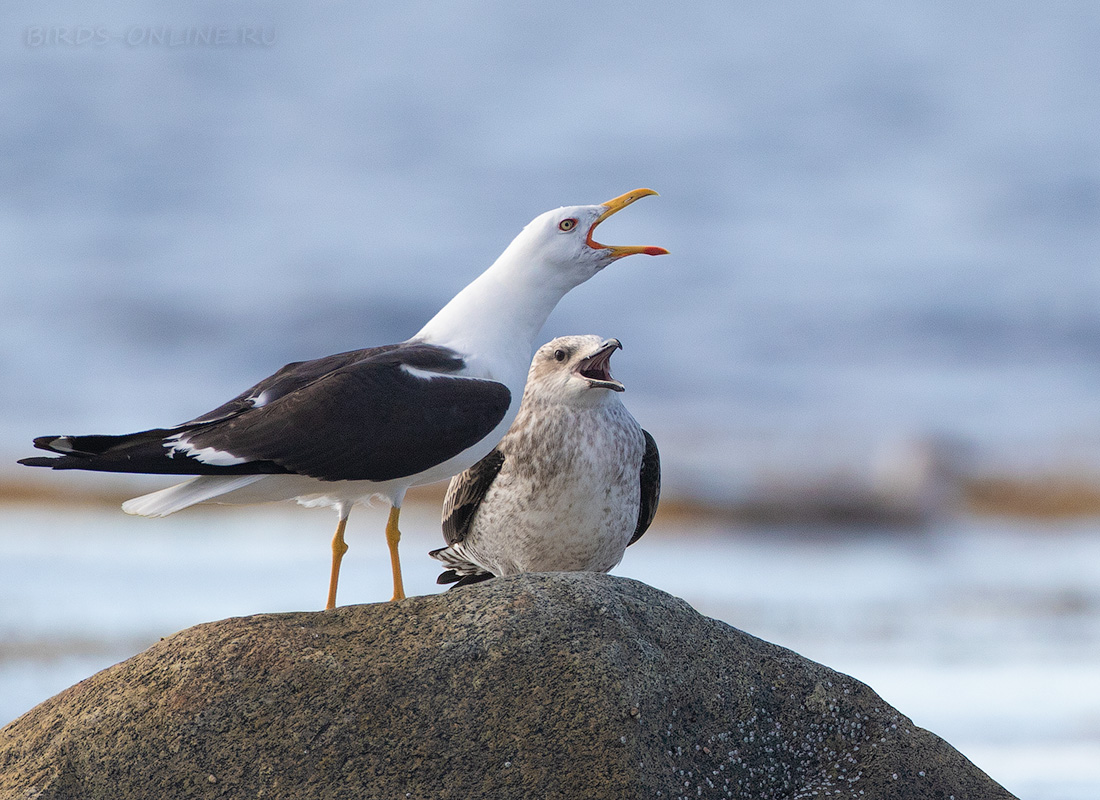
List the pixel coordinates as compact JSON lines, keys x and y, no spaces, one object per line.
{"x":151,"y":450}
{"x":465,"y":494}
{"x":650,"y":476}
{"x":146,"y":451}
{"x":290,"y":378}
{"x":371,"y":414}
{"x":395,"y":413}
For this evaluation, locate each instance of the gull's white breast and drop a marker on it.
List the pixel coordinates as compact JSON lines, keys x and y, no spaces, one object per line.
{"x":568,"y":494}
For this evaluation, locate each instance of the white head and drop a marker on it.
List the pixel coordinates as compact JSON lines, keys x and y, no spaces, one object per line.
{"x":497,"y":318}
{"x":573,"y":370}
{"x":562,"y":244}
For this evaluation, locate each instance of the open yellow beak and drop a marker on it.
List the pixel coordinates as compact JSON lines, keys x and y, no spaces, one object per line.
{"x":618,"y":204}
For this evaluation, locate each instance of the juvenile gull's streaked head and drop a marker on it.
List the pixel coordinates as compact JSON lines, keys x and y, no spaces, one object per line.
{"x":574,"y":370}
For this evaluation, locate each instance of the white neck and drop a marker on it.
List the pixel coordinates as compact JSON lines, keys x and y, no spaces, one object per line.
{"x":499,"y":315}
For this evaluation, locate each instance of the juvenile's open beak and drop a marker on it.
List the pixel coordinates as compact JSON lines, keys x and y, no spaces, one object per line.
{"x":619,"y":203}
{"x":596,"y":368}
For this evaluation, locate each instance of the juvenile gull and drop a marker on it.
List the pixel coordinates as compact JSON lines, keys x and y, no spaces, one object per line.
{"x":572,"y":484}
{"x":340,"y":430}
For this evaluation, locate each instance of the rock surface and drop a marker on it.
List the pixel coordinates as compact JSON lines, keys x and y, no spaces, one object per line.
{"x":538,"y":686}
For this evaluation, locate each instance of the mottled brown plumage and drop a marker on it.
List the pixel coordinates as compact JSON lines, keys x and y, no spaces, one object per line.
{"x":572,"y":484}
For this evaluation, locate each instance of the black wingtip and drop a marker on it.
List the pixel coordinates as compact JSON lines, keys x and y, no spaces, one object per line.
{"x":450,"y":576}
{"x":470,"y":580}
{"x":38,"y":461}
{"x":46,"y":443}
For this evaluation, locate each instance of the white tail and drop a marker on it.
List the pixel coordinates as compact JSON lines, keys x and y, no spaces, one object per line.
{"x":197,"y":490}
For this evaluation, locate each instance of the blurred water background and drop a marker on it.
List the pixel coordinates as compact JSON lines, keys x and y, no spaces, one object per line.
{"x":875,"y":342}
{"x":985,"y":632}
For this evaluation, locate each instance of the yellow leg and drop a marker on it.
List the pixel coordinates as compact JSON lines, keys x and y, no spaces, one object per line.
{"x":393,"y":536}
{"x":339,"y":547}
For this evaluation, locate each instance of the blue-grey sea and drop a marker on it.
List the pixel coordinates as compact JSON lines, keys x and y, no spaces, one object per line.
{"x":883,"y":218}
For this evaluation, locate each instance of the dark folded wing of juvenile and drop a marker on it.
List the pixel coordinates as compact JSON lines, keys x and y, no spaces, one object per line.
{"x":465,"y":494}
{"x":650,"y":478}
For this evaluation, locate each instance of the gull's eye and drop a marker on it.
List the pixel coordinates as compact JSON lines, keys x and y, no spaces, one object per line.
{"x":559,"y":355}
{"x":566,"y":225}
